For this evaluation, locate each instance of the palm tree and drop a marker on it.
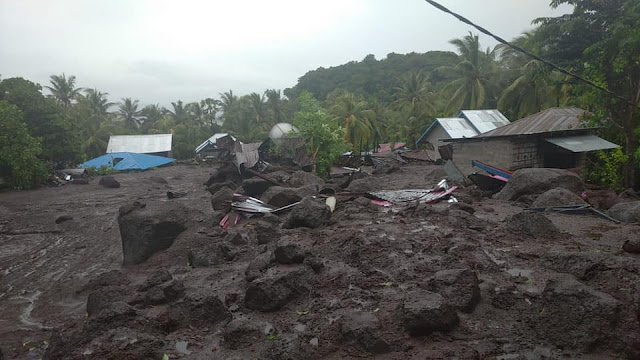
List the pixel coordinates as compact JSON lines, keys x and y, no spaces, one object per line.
{"x":414,"y":91}
{"x":228,"y":100}
{"x":472,"y":85}
{"x":532,"y":91}
{"x":63,"y":89}
{"x":258,"y":106}
{"x":128,"y":112}
{"x":150,"y":115}
{"x":274,"y":100}
{"x":98,"y":101}
{"x":356,"y":117}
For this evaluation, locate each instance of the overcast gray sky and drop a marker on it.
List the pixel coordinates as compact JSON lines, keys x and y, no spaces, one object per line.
{"x":160,"y":51}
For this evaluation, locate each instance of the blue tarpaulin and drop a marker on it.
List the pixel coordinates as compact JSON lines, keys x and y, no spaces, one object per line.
{"x":123,"y":161}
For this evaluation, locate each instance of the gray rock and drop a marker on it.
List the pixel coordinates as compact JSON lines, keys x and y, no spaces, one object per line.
{"x":109,"y":278}
{"x":289,"y":254}
{"x":303,"y":178}
{"x":459,"y":287}
{"x":102,"y":298}
{"x":557,"y":197}
{"x":282,"y":196}
{"x":109,"y":182}
{"x":62,"y":218}
{"x":266,"y":232}
{"x":309,"y":213}
{"x":221,"y":200}
{"x":315,"y":263}
{"x":158,"y":180}
{"x":628,"y":212}
{"x":145,"y":231}
{"x":276,"y":288}
{"x":632,"y":246}
{"x":575,"y":315}
{"x":258,"y":265}
{"x":531,"y":224}
{"x":362,"y":329}
{"x":534,"y":181}
{"x":236,"y":238}
{"x":158,"y":277}
{"x":385,"y":168}
{"x":424,"y":312}
{"x":198,"y":310}
{"x":255,"y":187}
{"x":364,"y":185}
{"x":212,"y":254}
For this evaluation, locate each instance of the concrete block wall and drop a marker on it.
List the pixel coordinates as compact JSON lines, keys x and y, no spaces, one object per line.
{"x":495,"y":152}
{"x":526,"y":154}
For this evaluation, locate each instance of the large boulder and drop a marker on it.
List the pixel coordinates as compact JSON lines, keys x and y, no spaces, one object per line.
{"x":109,"y":182}
{"x":221,"y":200}
{"x":459,"y":287}
{"x":279,"y":196}
{"x":424,"y":312}
{"x":364,"y":185}
{"x":632,"y":246}
{"x":102,"y":298}
{"x":557,"y":197}
{"x":575,"y":315}
{"x":212,"y":254}
{"x":627,"y":212}
{"x":255,"y":187}
{"x":531,"y":224}
{"x":147,"y":230}
{"x":277,"y":287}
{"x":309,"y":213}
{"x":303,"y":178}
{"x":534,"y":181}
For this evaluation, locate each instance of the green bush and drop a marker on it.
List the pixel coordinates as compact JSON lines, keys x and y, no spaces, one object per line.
{"x":20,"y":166}
{"x":325,"y":136}
{"x":607,"y":168}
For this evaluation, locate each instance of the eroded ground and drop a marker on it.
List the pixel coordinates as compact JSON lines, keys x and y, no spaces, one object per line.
{"x":570,"y":294}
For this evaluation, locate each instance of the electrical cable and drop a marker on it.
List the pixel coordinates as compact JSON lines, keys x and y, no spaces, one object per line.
{"x":526,"y":52}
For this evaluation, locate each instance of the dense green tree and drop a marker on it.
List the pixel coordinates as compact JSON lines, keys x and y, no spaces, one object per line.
{"x":275,"y":104}
{"x":20,"y":166}
{"x":150,"y":115}
{"x":600,"y":40}
{"x":63,"y":89}
{"x":129,"y":113}
{"x":98,"y":101}
{"x":59,"y":134}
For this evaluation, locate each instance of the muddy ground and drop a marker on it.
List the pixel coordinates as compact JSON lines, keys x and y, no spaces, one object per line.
{"x":570,"y":294}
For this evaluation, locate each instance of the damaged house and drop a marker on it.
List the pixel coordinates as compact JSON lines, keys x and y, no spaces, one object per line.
{"x":553,"y":138}
{"x":156,"y":144}
{"x":469,"y":123}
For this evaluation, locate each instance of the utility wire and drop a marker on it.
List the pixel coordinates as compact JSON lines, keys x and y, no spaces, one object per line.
{"x":525,"y":51}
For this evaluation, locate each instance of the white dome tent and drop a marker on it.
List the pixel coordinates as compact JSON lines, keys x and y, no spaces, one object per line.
{"x":279,"y":130}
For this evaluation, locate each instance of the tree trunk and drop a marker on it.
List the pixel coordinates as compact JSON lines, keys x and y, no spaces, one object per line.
{"x":630,"y":166}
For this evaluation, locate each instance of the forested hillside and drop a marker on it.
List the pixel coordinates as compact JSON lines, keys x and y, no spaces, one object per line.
{"x":371,"y":77}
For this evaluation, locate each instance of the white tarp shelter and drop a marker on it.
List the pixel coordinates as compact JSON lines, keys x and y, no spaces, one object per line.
{"x":141,"y":144}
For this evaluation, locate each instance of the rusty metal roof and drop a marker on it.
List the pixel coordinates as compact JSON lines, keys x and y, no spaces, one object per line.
{"x":553,"y":119}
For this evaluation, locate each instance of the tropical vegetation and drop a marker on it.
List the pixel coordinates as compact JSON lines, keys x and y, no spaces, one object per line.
{"x":360,"y":104}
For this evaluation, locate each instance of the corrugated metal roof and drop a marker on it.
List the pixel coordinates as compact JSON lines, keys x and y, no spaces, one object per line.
{"x":554,"y":119}
{"x":211,"y":141}
{"x":485,"y":120}
{"x":583,"y":143}
{"x":141,"y":144}
{"x":457,"y":127}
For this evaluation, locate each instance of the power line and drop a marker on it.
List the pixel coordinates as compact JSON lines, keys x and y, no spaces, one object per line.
{"x":525,"y":51}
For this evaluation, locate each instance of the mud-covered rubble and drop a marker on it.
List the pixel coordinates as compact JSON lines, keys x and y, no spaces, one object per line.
{"x":480,"y":278}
